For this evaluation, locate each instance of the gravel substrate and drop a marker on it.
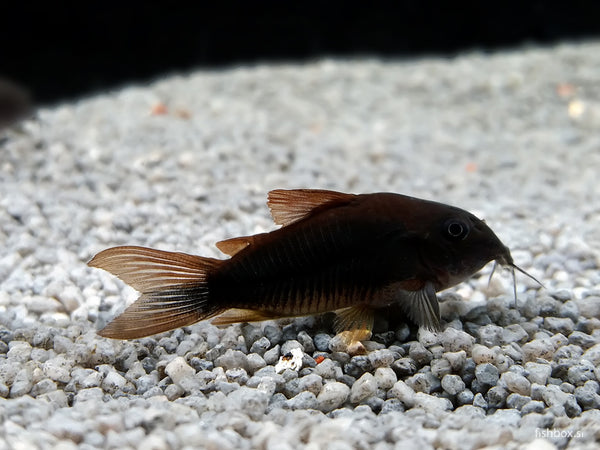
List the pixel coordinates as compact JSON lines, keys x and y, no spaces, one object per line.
{"x":188,"y":161}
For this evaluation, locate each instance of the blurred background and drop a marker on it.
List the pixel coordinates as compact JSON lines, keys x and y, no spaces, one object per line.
{"x":52,"y":53}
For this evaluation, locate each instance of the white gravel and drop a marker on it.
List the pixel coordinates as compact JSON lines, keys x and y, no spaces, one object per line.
{"x":513,"y":137}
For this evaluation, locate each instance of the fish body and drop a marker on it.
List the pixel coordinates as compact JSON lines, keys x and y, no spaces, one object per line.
{"x":334,"y":252}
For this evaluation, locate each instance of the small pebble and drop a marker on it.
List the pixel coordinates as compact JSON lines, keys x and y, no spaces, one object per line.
{"x":432,"y":404}
{"x":363,"y":388}
{"x":424,"y":382}
{"x":113,"y":382}
{"x":516,"y":383}
{"x":332,"y":396}
{"x":58,"y":369}
{"x":452,"y":384}
{"x":562,"y":325}
{"x":392,"y":405}
{"x":517,"y":401}
{"x":328,"y":369}
{"x":587,"y":395}
{"x":404,"y":393}
{"x":268,"y":385}
{"x":321,"y":342}
{"x":513,"y":333}
{"x":548,"y":306}
{"x":19,"y":351}
{"x":381,"y":358}
{"x":554,"y":397}
{"x":581,"y":372}
{"x":303,"y":401}
{"x":251,"y":402}
{"x":260,"y":346}
{"x":232,"y":359}
{"x":145,"y":383}
{"x":570,"y":310}
{"x":255,"y":362}
{"x":487,"y":374}
{"x":538,"y":348}
{"x":482,"y":354}
{"x":480,"y":401}
{"x":538,"y":373}
{"x":496,"y":397}
{"x":288,"y":346}
{"x":456,"y":359}
{"x":43,"y":387}
{"x":506,"y":418}
{"x":358,"y":365}
{"x":404,"y":367}
{"x":173,"y":392}
{"x":306,"y":342}
{"x":465,"y":397}
{"x":454,"y":340}
{"x":440,"y":367}
{"x":589,"y":306}
{"x":183,"y":375}
{"x":179,"y":369}
{"x":490,"y":335}
{"x":592,"y":354}
{"x":419,"y":354}
{"x":311,"y":383}
{"x":271,"y":356}
{"x":238,"y":375}
{"x":251,"y":334}
{"x":582,"y":340}
{"x":534,"y":406}
{"x":385,"y":377}
{"x":273,"y":334}
{"x":427,"y":338}
{"x":22,"y":383}
{"x":562,"y":295}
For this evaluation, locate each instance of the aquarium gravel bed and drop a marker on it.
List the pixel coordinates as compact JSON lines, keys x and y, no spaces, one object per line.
{"x":187,"y":161}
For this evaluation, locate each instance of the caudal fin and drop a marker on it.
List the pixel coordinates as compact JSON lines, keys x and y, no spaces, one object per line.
{"x":174,"y":290}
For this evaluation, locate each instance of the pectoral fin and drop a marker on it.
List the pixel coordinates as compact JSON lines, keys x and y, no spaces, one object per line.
{"x":422,"y":306}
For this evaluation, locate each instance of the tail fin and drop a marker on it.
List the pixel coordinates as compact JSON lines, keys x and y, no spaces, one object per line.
{"x":174,"y":290}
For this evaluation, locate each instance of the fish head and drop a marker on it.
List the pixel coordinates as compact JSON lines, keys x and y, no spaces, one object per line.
{"x":456,"y":245}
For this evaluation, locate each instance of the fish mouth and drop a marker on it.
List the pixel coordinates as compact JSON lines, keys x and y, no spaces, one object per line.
{"x":505,"y":260}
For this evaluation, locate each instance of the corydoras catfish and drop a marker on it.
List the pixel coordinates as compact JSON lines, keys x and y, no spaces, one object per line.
{"x":334,"y":252}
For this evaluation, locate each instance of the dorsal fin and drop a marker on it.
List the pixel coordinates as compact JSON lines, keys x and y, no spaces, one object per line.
{"x":289,"y":206}
{"x":234,"y":245}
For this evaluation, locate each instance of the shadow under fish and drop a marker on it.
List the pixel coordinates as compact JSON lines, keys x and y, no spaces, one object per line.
{"x":352,"y":254}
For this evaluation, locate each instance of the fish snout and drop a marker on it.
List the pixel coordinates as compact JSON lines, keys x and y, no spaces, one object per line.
{"x":505,"y":258}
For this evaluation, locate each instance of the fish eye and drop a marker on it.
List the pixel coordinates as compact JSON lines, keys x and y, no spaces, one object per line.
{"x":456,"y":229}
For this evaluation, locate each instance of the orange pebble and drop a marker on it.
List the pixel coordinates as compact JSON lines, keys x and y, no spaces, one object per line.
{"x":159,"y":109}
{"x":471,"y":167}
{"x":565,"y":90}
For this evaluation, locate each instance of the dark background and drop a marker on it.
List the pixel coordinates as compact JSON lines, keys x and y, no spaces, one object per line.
{"x":60,"y":52}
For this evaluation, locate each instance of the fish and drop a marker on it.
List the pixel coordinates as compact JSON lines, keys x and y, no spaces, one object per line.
{"x":15,"y":103}
{"x":348,"y":253}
